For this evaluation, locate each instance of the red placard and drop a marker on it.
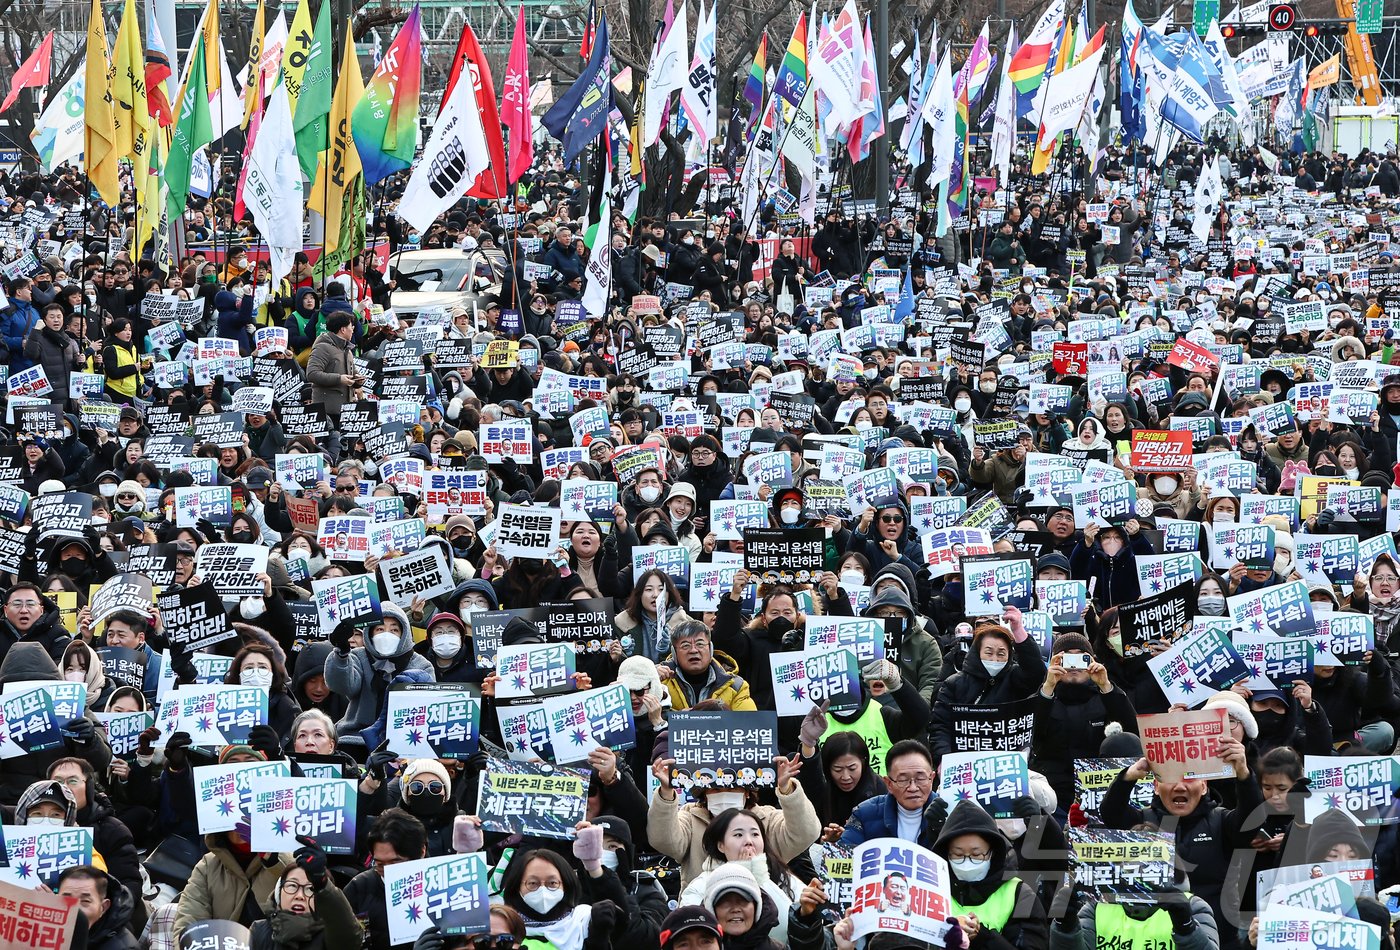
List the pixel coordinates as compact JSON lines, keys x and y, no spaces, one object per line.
{"x":1070,"y":359}
{"x":1192,"y":357}
{"x":1155,"y":450}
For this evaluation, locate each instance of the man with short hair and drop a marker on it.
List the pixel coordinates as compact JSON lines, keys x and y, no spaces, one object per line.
{"x":104,"y":906}
{"x":700,"y":673}
{"x":394,"y":837}
{"x":127,"y":629}
{"x":909,"y":809}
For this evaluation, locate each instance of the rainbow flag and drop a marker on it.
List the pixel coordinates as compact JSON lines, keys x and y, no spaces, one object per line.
{"x":791,"y":84}
{"x":1029,"y":64}
{"x":968,"y":87}
{"x":385,"y":122}
{"x":753,"y":86}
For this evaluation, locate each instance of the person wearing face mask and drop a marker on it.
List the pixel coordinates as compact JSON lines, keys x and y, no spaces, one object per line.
{"x":620,"y":856}
{"x":81,"y":664}
{"x":1004,"y":665}
{"x":362,"y":674}
{"x":994,"y":907}
{"x":1169,"y":488}
{"x":737,"y":848}
{"x":1107,"y":560}
{"x":425,"y":790}
{"x":647,"y":491}
{"x":448,"y":646}
{"x":564,"y":910}
{"x":259,"y":665}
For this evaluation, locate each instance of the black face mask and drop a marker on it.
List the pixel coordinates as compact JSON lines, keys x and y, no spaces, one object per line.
{"x":425,"y":806}
{"x":74,"y":567}
{"x":1270,"y":722}
{"x":779,"y":627}
{"x":240,"y":537}
{"x":462,"y":545}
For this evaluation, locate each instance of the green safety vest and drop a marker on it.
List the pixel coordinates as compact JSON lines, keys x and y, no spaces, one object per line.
{"x":995,"y":911}
{"x":1113,"y":928}
{"x":870,"y":727}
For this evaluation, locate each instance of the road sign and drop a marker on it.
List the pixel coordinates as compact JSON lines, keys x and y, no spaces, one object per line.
{"x":1282,"y":16}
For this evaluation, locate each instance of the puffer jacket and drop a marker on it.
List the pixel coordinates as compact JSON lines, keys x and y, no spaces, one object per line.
{"x":363,"y":676}
{"x":1003,"y":473}
{"x":974,"y":686}
{"x":27,"y":662}
{"x":221,"y":885}
{"x":1027,"y":928}
{"x":724,"y":684}
{"x":335,"y":924}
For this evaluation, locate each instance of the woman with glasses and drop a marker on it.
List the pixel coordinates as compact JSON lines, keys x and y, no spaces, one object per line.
{"x":565,"y":911}
{"x":306,"y":911}
{"x":993,"y":907}
{"x":1004,"y":665}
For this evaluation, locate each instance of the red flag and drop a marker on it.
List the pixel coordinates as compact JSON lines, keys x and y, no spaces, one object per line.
{"x":490,"y":183}
{"x":515,"y":103}
{"x":157,"y":72}
{"x":34,"y":71}
{"x":585,"y":48}
{"x":254,"y":124}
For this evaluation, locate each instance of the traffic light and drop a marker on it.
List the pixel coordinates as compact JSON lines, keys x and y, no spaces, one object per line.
{"x":1228,"y":31}
{"x":1317,"y":28}
{"x":1233,"y":30}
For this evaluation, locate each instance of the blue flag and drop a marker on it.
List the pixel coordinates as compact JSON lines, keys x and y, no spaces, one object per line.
{"x":581,"y":113}
{"x":905,"y":308}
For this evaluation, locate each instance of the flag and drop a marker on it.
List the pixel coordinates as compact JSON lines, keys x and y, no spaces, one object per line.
{"x":131,"y":118}
{"x":581,"y":114}
{"x":32,"y":73}
{"x":800,"y":143}
{"x":385,"y":123}
{"x":836,"y":69}
{"x":58,"y":132}
{"x":598,"y":239}
{"x":1209,"y":192}
{"x":100,"y":134}
{"x":698,"y":93}
{"x":791,"y":83}
{"x":871,"y":125}
{"x":1064,"y":104}
{"x":252,"y":81}
{"x":590,"y":24}
{"x":455,"y":154}
{"x":1239,"y":102}
{"x":914,"y":96}
{"x":967,"y":89}
{"x":470,"y":61}
{"x":515,"y":103}
{"x":1189,"y":102}
{"x":1324,"y":74}
{"x":904,"y":309}
{"x":1033,"y":56}
{"x":339,"y":171}
{"x":157,"y":71}
{"x":249,"y":140}
{"x":314,"y":103}
{"x":1129,"y":78}
{"x":193,"y":130}
{"x":754,"y":86}
{"x":1004,"y":127}
{"x":665,"y":74}
{"x":939,"y":106}
{"x":912,"y":139}
{"x":297,"y":52}
{"x":274,"y":187}
{"x":213,"y":60}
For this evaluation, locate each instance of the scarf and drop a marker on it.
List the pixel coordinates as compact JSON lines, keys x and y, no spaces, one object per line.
{"x":1385,"y":616}
{"x":293,"y":930}
{"x":567,"y":933}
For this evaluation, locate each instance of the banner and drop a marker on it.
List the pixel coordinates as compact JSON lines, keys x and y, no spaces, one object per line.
{"x":432,"y":720}
{"x":1182,"y":745}
{"x":284,"y":809}
{"x":900,"y":888}
{"x":530,"y":798}
{"x":723,"y":749}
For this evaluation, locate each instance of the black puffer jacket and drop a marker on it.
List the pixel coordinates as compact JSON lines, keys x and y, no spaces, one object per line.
{"x":1071,"y":726}
{"x":29,"y":662}
{"x":974,"y":686}
{"x":48,"y":632}
{"x":1026,"y":928}
{"x":112,"y":839}
{"x":113,"y":930}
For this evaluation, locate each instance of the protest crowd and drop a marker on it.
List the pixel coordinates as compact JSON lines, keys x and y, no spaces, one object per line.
{"x":708,"y":582}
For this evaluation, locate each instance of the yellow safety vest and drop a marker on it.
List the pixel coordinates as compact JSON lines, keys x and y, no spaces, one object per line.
{"x":127,"y":385}
{"x":1114,"y":928}
{"x":870,"y":727}
{"x":995,"y":911}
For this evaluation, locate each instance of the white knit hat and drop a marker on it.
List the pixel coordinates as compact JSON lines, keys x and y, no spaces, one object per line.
{"x":1237,"y":708}
{"x":732,"y":877}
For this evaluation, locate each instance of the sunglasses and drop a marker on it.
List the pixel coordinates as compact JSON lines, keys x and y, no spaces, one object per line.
{"x":892,"y":519}
{"x":432,"y":788}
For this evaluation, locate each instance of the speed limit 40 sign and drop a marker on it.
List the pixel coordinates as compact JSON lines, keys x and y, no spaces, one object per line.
{"x":1282,"y":16}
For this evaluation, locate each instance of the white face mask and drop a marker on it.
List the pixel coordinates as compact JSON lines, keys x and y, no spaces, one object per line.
{"x":872,"y":373}
{"x":966,"y":869}
{"x":609,"y":859}
{"x":49,"y":821}
{"x":107,"y":489}
{"x":544,"y":900}
{"x":720,"y":802}
{"x":255,"y":677}
{"x":1223,"y":517}
{"x":790,"y":515}
{"x":962,"y":405}
{"x":851,"y":579}
{"x":385,"y":644}
{"x":863,"y":425}
{"x":1321,"y":607}
{"x":446,"y":644}
{"x":1283,"y":563}
{"x":649,"y":493}
{"x":688,"y":241}
{"x":987,"y":387}
{"x":1013,"y":828}
{"x":1164,"y":486}
{"x":75,"y":676}
{"x":993,"y":667}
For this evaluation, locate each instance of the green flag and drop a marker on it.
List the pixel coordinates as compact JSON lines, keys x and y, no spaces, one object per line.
{"x":352,"y":232}
{"x":193,"y":131}
{"x":314,"y":103}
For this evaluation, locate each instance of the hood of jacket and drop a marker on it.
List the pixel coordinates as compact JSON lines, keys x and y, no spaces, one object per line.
{"x":900,"y":573}
{"x":118,"y":916}
{"x":476,"y":585}
{"x":395,"y":612}
{"x":28,"y":661}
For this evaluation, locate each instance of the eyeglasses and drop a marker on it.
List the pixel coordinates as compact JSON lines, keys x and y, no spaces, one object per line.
{"x":292,"y":889}
{"x":25,"y":604}
{"x":533,"y":885}
{"x":702,"y":453}
{"x":892,"y":519}
{"x":72,"y":781}
{"x":971,"y":856}
{"x":487,"y":941}
{"x":698,"y":643}
{"x":126,"y":494}
{"x":432,"y":788}
{"x":911,"y":781}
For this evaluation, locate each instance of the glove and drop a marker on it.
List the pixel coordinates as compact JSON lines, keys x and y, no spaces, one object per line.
{"x":956,"y":938}
{"x":146,"y":742}
{"x":430,"y":939}
{"x":177,"y":750}
{"x":604,"y":918}
{"x":477,"y":761}
{"x":264,"y":739}
{"x":588,"y":846}
{"x":1325,"y":517}
{"x":814,"y":725}
{"x":883,"y":670}
{"x":1025,"y":808}
{"x":466,"y":836}
{"x":377,"y":764}
{"x":1178,"y":907}
{"x":934,"y":816}
{"x":311,"y":859}
{"x":340,"y":637}
{"x":1066,"y":904}
{"x":79,"y":730}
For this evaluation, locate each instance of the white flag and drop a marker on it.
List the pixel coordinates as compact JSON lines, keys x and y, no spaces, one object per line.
{"x":1229,"y":73}
{"x":1066,"y":96}
{"x":455,"y":154}
{"x":698,"y":93}
{"x":598,"y":290}
{"x":1004,"y":129}
{"x":272,"y":189}
{"x":835,"y":69}
{"x":58,"y":132}
{"x":939,"y":110}
{"x":666,"y":74}
{"x":1209,"y":190}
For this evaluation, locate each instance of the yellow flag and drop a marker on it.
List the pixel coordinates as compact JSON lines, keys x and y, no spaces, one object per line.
{"x":130,"y":115}
{"x":99,"y":131}
{"x":252,"y":90}
{"x":637,"y":167}
{"x":1327,"y":73}
{"x":297,"y":52}
{"x":213,"y":62}
{"x":339,"y":165}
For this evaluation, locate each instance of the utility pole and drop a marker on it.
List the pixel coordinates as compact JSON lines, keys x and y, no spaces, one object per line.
{"x":882,"y":77}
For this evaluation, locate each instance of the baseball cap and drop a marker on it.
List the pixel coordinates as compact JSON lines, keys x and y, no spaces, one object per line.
{"x":690,"y":917}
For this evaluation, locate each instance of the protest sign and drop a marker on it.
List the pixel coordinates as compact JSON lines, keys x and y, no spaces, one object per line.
{"x":944,"y":548}
{"x":1283,"y":609}
{"x":996,"y":727}
{"x":223,"y":793}
{"x":994,"y":582}
{"x":723,"y":749}
{"x":1092,"y":777}
{"x":219,"y":715}
{"x":31,"y":724}
{"x":532,"y":798}
{"x":581,"y":722}
{"x":1332,"y":894}
{"x":1181,"y":745}
{"x":194,"y":617}
{"x":156,"y":561}
{"x":62,"y":514}
{"x":32,"y":919}
{"x":527,"y":531}
{"x":834,"y":678}
{"x":1364,"y":787}
{"x":1360,"y":874}
{"x":1156,"y":450}
{"x":123,"y":730}
{"x":587,"y":624}
{"x":1346,"y":637}
{"x":779,"y":556}
{"x":1159,"y":618}
{"x":131,"y":592}
{"x":432,"y":720}
{"x":1197,"y":665}
{"x":900,"y":888}
{"x":424,"y":574}
{"x":1064,"y":601}
{"x":344,"y":537}
{"x":534,"y":669}
{"x":1281,"y":660}
{"x":285,"y":809}
{"x":450,"y":893}
{"x":39,"y":853}
{"x":864,"y":636}
{"x":233,"y":569}
{"x":1108,"y":861}
{"x":123,"y":666}
{"x":212,"y":503}
{"x":1161,"y":572}
{"x":993,"y":780}
{"x":396,"y":535}
{"x":499,"y":441}
{"x":1282,"y":927}
{"x":582,"y":499}
{"x":524,"y":732}
{"x":729,"y":519}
